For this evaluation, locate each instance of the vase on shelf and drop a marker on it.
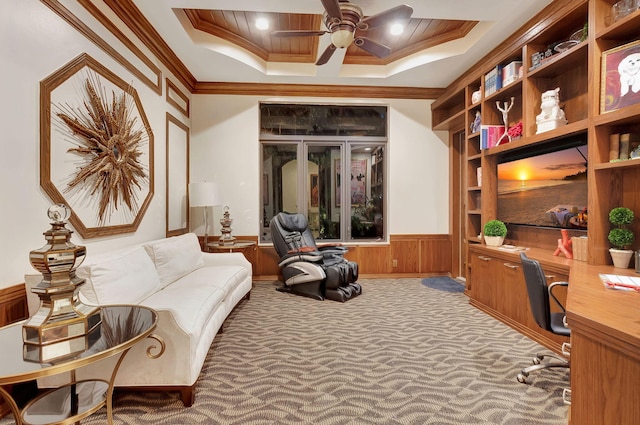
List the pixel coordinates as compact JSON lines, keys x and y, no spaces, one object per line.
{"x":493,"y":240}
{"x":621,"y":257}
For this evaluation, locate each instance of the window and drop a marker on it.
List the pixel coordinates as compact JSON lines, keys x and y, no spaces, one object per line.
{"x":338,"y":182}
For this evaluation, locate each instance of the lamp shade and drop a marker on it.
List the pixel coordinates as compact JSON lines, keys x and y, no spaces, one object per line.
{"x":202,"y":194}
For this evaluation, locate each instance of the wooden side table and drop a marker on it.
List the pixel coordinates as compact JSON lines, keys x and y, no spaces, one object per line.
{"x":237,"y":246}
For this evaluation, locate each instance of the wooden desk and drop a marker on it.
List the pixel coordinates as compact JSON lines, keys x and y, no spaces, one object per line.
{"x":605,"y":348}
{"x":495,"y":285}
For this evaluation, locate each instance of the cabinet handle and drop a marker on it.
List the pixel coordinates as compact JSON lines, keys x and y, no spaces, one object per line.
{"x":483,"y":258}
{"x":510,"y":265}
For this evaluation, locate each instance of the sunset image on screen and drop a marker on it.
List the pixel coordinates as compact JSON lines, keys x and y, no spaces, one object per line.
{"x":545,"y":189}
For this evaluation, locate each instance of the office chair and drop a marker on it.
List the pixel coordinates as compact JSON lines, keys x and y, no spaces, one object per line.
{"x":539,"y":295}
{"x":309,"y":270}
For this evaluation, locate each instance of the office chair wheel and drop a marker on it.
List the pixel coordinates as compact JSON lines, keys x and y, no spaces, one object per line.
{"x":521,"y":378}
{"x":537,"y":359}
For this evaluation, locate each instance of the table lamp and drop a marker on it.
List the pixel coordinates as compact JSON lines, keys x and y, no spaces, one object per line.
{"x":203,"y":194}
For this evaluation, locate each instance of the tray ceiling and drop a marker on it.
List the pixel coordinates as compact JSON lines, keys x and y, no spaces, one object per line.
{"x":238,"y":27}
{"x":216,"y":41}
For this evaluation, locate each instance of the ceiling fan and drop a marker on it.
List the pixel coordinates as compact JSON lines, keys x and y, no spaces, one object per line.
{"x":343,"y":19}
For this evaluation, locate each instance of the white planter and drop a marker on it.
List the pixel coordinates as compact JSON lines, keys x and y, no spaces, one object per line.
{"x":621,"y":257}
{"x":493,"y":240}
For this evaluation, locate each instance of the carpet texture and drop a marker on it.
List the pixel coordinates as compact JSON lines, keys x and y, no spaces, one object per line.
{"x":401,"y":353}
{"x":443,"y":283}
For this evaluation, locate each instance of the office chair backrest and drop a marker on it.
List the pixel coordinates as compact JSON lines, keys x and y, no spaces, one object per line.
{"x":537,"y":290}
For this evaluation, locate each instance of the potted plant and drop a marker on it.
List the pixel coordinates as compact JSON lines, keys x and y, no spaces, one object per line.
{"x":494,"y":232}
{"x":620,"y":236}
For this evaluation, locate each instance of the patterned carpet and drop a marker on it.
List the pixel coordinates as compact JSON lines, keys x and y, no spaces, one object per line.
{"x":401,"y":353}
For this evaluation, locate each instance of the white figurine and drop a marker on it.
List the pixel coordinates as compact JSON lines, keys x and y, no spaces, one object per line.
{"x":505,"y":118}
{"x":551,"y":115}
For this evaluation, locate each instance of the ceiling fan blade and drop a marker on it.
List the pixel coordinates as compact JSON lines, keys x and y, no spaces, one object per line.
{"x":298,"y":33}
{"x":398,"y":13}
{"x":326,"y":55}
{"x":373,"y":47}
{"x":332,"y":7}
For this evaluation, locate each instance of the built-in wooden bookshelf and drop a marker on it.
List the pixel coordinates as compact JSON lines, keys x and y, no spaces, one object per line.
{"x":576,"y":72}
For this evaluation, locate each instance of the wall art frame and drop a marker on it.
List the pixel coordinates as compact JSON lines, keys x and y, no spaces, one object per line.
{"x":96,"y":148}
{"x":177,"y":177}
{"x":620,"y":81}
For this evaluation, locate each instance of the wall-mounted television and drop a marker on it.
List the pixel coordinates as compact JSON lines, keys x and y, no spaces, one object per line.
{"x":545,"y":186}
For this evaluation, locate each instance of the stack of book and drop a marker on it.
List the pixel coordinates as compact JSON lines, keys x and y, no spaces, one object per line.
{"x":511,"y":73}
{"x":624,"y":146}
{"x":493,"y":81}
{"x":490,"y":135}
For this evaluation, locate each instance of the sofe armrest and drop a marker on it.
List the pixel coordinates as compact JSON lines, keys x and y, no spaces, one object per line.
{"x":226,"y":259}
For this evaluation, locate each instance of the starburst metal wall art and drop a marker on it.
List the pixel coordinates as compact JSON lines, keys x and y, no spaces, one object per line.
{"x":96,"y":148}
{"x":109,"y":146}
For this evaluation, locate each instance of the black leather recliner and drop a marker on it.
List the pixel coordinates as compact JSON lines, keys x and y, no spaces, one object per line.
{"x":309,"y":270}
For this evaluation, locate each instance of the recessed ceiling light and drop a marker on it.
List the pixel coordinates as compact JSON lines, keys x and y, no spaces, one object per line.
{"x":262,"y":23}
{"x":396,"y":29}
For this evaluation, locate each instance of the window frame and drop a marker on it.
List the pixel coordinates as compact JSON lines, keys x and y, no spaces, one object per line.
{"x":346,"y":144}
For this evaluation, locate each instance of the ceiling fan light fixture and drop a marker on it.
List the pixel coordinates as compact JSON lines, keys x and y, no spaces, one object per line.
{"x":342,"y":38}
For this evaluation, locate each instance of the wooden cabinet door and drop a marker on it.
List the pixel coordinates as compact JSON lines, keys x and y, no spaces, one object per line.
{"x":483,"y":288}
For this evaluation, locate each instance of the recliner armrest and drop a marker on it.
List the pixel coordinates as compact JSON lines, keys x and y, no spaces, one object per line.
{"x":301,"y":249}
{"x":332,"y":246}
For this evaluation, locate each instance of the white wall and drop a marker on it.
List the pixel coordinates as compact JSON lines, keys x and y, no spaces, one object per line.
{"x":224,"y":144}
{"x":225,"y":148}
{"x":35,"y":42}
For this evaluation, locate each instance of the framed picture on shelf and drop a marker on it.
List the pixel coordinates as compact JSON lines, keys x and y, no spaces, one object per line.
{"x":620,"y":79}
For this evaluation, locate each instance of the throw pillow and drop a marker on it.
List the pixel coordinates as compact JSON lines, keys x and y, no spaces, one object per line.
{"x":175,"y":257}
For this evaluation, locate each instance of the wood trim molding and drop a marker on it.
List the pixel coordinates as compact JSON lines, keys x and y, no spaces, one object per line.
{"x":317,"y":90}
{"x":131,"y":16}
{"x":13,"y":304}
{"x":172,"y":120}
{"x":173,"y":91}
{"x":91,"y":35}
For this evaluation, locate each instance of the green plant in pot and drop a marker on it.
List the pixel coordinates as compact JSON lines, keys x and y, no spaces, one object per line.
{"x":621,"y":237}
{"x":494,"y":232}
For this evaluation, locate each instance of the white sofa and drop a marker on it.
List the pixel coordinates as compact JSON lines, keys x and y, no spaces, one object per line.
{"x":193,"y":293}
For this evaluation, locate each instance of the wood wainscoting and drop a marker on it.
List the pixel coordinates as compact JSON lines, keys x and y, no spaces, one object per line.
{"x":13,"y":304}
{"x":406,"y":255}
{"x":13,"y":307}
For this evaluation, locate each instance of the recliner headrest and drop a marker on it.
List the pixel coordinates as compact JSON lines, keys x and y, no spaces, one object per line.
{"x":293,"y":222}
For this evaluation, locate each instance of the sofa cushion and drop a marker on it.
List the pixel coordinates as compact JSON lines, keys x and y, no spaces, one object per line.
{"x":225,"y":278}
{"x":191,"y":305}
{"x":175,"y":257}
{"x":124,"y":278}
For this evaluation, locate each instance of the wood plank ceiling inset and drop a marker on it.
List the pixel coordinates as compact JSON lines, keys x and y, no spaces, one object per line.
{"x":238,"y":28}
